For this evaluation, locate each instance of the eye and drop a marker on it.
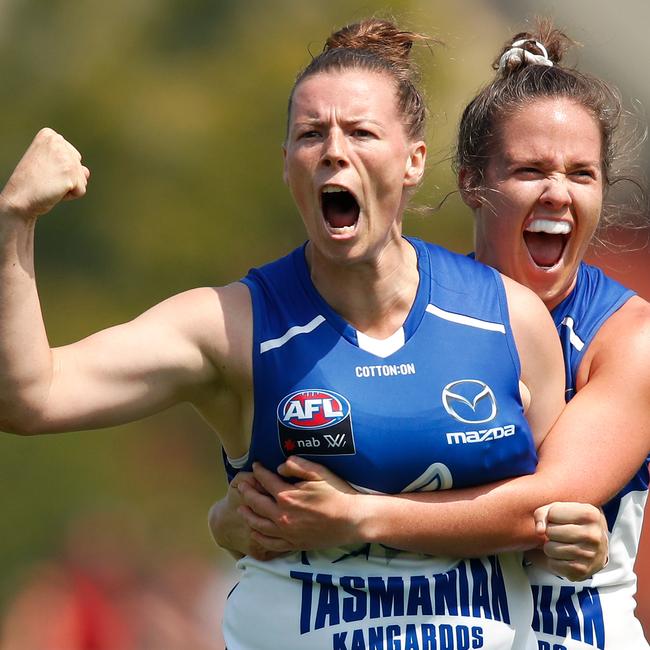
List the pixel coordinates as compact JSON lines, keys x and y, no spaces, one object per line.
{"x":584,"y":175}
{"x":528,"y":172}
{"x":363,"y":133}
{"x":308,"y":134}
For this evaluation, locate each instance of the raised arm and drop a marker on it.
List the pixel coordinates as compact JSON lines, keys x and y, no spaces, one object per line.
{"x":190,"y":345}
{"x":49,"y":172}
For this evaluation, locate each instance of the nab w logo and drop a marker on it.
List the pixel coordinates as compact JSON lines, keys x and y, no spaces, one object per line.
{"x":470,"y":401}
{"x":335,"y":441}
{"x":315,"y":422}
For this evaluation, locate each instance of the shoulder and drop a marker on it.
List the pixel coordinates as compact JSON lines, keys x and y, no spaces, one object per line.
{"x":214,"y":321}
{"x":525,"y":307}
{"x":449,"y":262}
{"x":622,"y":345}
{"x":202,"y":309}
{"x":533,"y":330}
{"x":531,"y":322}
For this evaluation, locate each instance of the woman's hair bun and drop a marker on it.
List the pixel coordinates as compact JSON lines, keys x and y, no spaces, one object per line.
{"x":379,"y":37}
{"x":555,"y":43}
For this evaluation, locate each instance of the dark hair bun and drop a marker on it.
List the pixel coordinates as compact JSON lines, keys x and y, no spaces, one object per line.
{"x":379,"y":37}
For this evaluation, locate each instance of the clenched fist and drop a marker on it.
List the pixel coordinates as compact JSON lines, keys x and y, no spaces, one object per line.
{"x":49,"y":172}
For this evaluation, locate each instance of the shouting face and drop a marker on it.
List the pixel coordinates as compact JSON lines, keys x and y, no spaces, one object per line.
{"x":541,"y":197}
{"x":349,"y":163}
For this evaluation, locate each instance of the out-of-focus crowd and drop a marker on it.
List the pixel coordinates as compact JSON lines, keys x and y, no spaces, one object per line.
{"x":105,"y":593}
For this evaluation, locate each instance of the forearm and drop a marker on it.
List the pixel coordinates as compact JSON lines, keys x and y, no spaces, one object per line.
{"x":463,"y":523}
{"x":25,"y":356}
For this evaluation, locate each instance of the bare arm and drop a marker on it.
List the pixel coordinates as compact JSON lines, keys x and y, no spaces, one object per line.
{"x":179,"y":350}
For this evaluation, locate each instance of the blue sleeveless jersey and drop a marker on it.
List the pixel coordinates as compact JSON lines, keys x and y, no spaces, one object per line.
{"x":442,"y":409}
{"x":595,"y":613}
{"x":434,"y":406}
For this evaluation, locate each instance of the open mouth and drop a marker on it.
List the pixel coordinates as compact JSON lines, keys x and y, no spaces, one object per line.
{"x":546,"y":240}
{"x":340,"y":208}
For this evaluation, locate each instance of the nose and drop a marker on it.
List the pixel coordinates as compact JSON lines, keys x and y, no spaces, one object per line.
{"x":334,"y":150}
{"x":556,"y":193}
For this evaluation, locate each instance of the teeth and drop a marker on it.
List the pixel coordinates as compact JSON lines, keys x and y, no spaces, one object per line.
{"x":550,"y":227}
{"x":342,"y":229}
{"x":330,"y":189}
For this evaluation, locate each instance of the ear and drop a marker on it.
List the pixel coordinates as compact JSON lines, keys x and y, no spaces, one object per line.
{"x":285,"y":177}
{"x":467,"y":184}
{"x":415,"y":164}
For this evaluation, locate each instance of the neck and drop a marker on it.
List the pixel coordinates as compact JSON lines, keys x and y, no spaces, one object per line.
{"x":374,"y":296}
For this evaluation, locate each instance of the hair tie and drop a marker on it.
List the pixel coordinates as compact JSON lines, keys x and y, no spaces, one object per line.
{"x":518,"y":54}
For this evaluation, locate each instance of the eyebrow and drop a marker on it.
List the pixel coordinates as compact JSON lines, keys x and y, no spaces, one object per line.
{"x":542,"y":162}
{"x":316,"y":121}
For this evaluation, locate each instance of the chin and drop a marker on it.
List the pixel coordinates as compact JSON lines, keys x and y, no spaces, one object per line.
{"x":552,"y":286}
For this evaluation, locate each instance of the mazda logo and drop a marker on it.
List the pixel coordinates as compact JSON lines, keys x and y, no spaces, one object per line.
{"x":470,"y":401}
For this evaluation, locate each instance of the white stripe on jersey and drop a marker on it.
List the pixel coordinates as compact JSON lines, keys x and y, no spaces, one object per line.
{"x":574,"y":339}
{"x":272,"y":344}
{"x":238,"y":463}
{"x":466,"y":320}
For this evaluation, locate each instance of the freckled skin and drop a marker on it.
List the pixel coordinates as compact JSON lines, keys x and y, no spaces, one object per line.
{"x":547,"y":165}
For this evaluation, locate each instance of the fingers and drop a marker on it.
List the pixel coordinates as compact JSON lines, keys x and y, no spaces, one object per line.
{"x":260,"y":524}
{"x":581,"y":549}
{"x":306,"y":470}
{"x":270,"y":481}
{"x":575,"y":525}
{"x":541,"y":518}
{"x":577,"y":540}
{"x":573,"y":513}
{"x":273,"y":546}
{"x":245,"y":477}
{"x":553,"y":516}
{"x":571,"y":534}
{"x":261,"y":503}
{"x":572,"y":569}
{"x":79,"y":185}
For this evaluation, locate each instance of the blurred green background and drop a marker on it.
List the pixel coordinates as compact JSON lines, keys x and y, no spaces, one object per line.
{"x":178,"y":107}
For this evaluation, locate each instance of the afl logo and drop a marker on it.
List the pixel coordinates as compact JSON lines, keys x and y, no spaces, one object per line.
{"x":470,"y":401}
{"x":313,"y":409}
{"x":315,"y":422}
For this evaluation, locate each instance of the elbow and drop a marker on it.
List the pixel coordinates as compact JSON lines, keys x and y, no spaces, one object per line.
{"x":19,"y":428}
{"x":21,"y":421}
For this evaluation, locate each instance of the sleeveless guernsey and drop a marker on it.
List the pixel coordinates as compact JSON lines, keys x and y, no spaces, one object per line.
{"x":599,"y":612}
{"x":434,"y":406}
